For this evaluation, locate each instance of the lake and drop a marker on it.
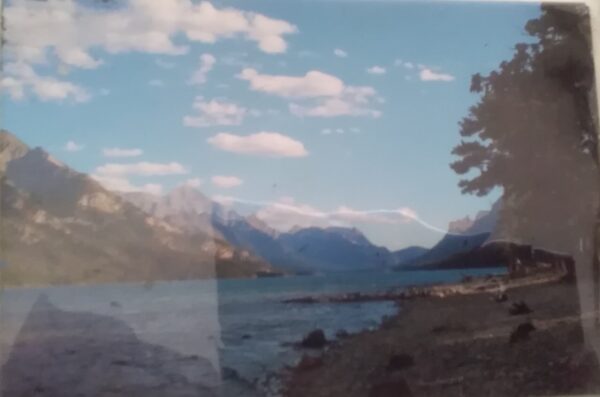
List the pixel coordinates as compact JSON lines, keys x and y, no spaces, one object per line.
{"x":241,"y":325}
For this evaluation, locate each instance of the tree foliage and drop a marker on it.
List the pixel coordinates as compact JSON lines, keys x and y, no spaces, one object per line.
{"x":533,"y":132}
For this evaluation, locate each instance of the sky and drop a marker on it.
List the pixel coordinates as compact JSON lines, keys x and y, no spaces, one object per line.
{"x":307,"y":112}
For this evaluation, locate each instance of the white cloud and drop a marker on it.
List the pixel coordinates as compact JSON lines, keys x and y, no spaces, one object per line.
{"x":226,"y":182}
{"x":286,"y":213}
{"x":121,"y":152}
{"x":156,"y":83}
{"x":329,"y":131}
{"x":338,"y":52}
{"x":71,"y":31}
{"x":78,"y":58}
{"x":72,"y":146}
{"x":120,"y":184}
{"x":142,"y":168}
{"x":268,"y":33}
{"x":313,"y":84}
{"x":324,"y":95}
{"x":270,"y":144}
{"x":215,"y":112}
{"x":163,"y":64}
{"x":405,"y":64}
{"x":20,"y":79}
{"x":376,"y":70}
{"x":136,"y":25}
{"x":207,"y":62}
{"x":152,"y":188}
{"x":334,"y":107}
{"x":194,"y":182}
{"x":427,"y":74}
{"x":223,"y":200}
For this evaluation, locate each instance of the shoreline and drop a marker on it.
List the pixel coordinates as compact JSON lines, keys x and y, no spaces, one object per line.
{"x":460,"y":340}
{"x":471,"y":285}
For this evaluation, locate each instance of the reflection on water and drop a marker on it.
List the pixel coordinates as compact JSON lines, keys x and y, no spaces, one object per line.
{"x":180,"y":337}
{"x":61,"y":353}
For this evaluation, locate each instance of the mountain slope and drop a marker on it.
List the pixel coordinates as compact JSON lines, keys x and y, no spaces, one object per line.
{"x":407,"y":255}
{"x":335,"y":249}
{"x":251,"y":234}
{"x":450,"y":244}
{"x":184,"y":207}
{"x":60,"y":226}
{"x":464,"y":235}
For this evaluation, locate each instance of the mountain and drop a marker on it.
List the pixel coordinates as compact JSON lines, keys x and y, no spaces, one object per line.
{"x":407,"y":255}
{"x":464,"y":235}
{"x":254,"y":235}
{"x":460,"y":226}
{"x":300,"y":250}
{"x":10,"y":148}
{"x":60,"y":226}
{"x":184,"y":207}
{"x":486,"y":221}
{"x":335,"y":249}
{"x":450,"y":244}
{"x":183,"y":199}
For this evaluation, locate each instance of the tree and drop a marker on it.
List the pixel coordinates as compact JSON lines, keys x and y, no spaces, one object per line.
{"x":533,"y":134}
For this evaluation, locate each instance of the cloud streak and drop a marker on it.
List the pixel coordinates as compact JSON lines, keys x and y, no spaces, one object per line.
{"x":338,"y":52}
{"x":121,"y":152}
{"x":121,"y":184}
{"x":226,"y":182}
{"x":215,"y":112}
{"x":427,"y":74}
{"x":322,"y":94}
{"x":376,"y":70}
{"x":207,"y":62}
{"x":287,"y":213}
{"x":141,"y":169}
{"x":72,"y":146}
{"x":269,"y":144}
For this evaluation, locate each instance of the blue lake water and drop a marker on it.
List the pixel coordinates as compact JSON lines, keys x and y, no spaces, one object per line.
{"x":239,"y":324}
{"x":254,"y":308}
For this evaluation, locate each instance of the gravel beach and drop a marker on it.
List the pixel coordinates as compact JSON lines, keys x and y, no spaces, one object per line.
{"x":462,"y":345}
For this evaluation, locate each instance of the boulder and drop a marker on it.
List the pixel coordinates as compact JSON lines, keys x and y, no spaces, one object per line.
{"x":314,"y":340}
{"x":522,"y":332}
{"x":519,"y":308}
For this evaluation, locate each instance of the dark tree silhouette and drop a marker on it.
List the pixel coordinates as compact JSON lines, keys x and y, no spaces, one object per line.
{"x":533,"y":134}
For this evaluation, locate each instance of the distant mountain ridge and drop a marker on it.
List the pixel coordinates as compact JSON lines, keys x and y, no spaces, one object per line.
{"x":464,"y":235}
{"x":60,"y":226}
{"x":310,"y":249}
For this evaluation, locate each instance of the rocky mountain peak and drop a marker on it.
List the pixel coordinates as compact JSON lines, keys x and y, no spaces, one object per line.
{"x":10,"y":148}
{"x":188,"y":199}
{"x":460,"y":226}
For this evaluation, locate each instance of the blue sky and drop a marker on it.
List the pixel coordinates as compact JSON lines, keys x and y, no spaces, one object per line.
{"x":370,"y":128}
